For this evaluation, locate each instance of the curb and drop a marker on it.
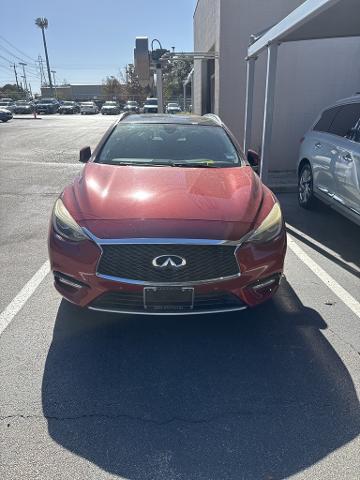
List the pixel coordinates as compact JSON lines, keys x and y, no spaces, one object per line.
{"x":26,"y":118}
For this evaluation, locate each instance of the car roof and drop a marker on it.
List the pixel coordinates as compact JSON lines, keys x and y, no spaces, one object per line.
{"x":173,"y":119}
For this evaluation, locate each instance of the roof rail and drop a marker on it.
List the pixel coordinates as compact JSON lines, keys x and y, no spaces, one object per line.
{"x":214,"y":117}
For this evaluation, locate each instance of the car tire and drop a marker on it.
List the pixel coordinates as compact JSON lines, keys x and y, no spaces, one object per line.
{"x":306,"y":196}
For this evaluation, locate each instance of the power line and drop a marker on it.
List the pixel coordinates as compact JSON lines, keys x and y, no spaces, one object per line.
{"x":17,"y":49}
{"x":33,"y":69}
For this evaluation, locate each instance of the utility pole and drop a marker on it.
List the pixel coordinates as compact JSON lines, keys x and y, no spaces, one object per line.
{"x":53,"y":72}
{"x":24,"y":77}
{"x":16,"y":77}
{"x":31,"y":95}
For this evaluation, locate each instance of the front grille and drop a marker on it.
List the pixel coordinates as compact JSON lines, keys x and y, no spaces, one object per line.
{"x":134,"y":262}
{"x":134,"y":302}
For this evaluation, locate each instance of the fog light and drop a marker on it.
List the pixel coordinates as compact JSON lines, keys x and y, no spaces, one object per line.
{"x":63,"y":279}
{"x":266,"y":283}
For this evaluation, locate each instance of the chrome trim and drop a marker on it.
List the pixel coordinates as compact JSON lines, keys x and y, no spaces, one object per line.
{"x":65,"y":281}
{"x":354,"y":210}
{"x":160,"y":241}
{"x":204,"y":312}
{"x":164,"y":284}
{"x":165,"y":241}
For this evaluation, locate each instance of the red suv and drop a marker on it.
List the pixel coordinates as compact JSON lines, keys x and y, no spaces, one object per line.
{"x":167,"y":217}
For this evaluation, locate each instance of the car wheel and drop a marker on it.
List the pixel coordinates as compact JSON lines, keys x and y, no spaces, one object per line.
{"x":306,"y":188}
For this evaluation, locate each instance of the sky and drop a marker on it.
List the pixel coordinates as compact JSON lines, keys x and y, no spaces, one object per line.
{"x":88,"y":39}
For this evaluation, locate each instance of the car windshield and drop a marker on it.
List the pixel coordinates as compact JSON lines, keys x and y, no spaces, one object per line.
{"x":110,"y":103}
{"x":131,"y":103}
{"x":169,"y":144}
{"x":69,"y":103}
{"x":47,"y":102}
{"x":173,"y":105}
{"x":5,"y":103}
{"x":151,"y":102}
{"x":87,"y":104}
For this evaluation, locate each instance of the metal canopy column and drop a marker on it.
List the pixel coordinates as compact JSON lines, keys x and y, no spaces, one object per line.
{"x":250,"y":71}
{"x":159,"y":88}
{"x":272,"y":50}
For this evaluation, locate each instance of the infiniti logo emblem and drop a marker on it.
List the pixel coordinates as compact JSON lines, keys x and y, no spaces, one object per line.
{"x":173,"y":261}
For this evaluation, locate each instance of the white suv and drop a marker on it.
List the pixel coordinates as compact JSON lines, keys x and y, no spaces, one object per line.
{"x":329,"y":162}
{"x":88,"y":107}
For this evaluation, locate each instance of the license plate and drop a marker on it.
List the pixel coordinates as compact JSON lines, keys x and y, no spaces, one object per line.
{"x":163,"y":299}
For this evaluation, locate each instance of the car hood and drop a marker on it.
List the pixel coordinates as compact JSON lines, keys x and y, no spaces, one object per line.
{"x":136,"y":201}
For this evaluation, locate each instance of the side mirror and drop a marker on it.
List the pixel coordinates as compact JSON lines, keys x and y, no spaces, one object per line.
{"x":85,"y":154}
{"x":254,"y":160}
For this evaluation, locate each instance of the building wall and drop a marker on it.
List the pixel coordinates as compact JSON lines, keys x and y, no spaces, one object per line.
{"x":309,"y":76}
{"x":76,"y":92}
{"x":206,"y":39}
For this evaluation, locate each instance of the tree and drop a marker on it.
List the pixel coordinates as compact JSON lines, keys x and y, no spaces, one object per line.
{"x":134,"y":90}
{"x":175,"y":73}
{"x":112,"y":88}
{"x":12,"y":91}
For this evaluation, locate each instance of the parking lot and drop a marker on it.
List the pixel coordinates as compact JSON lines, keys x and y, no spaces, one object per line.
{"x":269,"y":393}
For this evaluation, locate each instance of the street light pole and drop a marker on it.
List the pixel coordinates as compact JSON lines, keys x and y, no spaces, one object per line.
{"x":42,"y":23}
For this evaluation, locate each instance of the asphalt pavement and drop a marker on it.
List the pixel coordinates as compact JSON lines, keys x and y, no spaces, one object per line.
{"x":265,"y":394}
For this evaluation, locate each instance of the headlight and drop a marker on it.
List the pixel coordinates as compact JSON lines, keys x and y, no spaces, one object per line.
{"x":269,"y":228}
{"x":65,"y":225}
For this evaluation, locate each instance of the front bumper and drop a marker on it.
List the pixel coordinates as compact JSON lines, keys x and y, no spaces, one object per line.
{"x":75,"y":277}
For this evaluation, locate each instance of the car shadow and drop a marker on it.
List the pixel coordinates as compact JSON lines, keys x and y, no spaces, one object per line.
{"x":258,"y":394}
{"x":327,"y":227}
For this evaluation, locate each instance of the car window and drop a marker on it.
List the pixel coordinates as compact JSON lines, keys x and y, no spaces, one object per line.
{"x":345,"y":120}
{"x":168,"y":143}
{"x":326,"y":119}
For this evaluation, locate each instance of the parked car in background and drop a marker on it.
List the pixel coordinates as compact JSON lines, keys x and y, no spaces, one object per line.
{"x":7,"y":103}
{"x":329,"y":161}
{"x":69,"y":107}
{"x":173,"y":108}
{"x":47,"y":106}
{"x":167,"y":217}
{"x":5,"y":114}
{"x":131,"y":106}
{"x":151,"y":105}
{"x":110,"y":108}
{"x":88,"y":108}
{"x":23,"y":106}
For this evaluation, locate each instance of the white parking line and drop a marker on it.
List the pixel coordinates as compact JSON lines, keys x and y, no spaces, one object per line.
{"x":339,"y":291}
{"x":23,"y":296}
{"x":49,"y":164}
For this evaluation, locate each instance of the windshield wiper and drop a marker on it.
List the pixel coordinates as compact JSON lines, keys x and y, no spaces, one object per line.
{"x":137,"y":163}
{"x":194,"y":164}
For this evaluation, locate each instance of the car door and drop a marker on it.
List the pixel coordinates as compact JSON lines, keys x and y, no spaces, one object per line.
{"x":323,"y":153}
{"x":347,"y":169}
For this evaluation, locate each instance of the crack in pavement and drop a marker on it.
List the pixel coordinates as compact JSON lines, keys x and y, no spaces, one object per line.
{"x":204,"y":420}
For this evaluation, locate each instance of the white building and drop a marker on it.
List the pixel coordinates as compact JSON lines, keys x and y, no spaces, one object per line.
{"x":310,"y":74}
